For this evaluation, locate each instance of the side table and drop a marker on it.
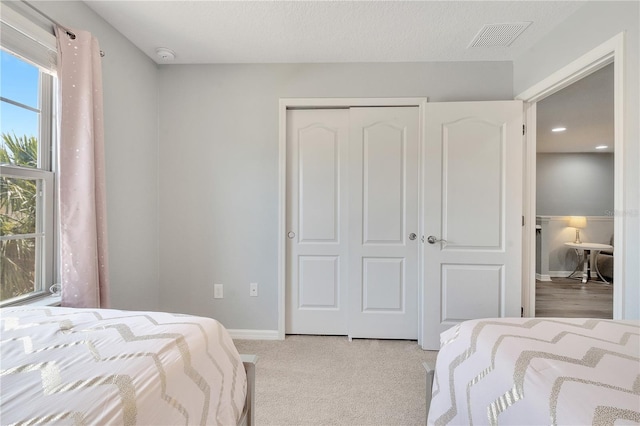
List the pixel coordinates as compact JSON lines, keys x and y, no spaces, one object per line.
{"x":585,"y":267}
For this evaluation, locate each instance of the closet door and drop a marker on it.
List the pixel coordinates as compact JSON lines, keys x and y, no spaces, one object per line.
{"x":317,"y":243}
{"x":352,"y":221}
{"x":383,"y":222}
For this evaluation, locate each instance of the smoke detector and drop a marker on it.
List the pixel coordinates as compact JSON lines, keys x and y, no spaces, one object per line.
{"x":498,"y":35}
{"x":166,"y":55}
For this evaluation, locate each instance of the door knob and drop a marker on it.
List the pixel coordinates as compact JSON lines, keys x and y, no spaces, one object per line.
{"x":432,"y":240}
{"x":291,"y":234}
{"x":412,"y":236}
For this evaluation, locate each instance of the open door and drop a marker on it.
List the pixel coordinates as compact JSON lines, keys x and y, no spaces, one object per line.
{"x":473,"y":213}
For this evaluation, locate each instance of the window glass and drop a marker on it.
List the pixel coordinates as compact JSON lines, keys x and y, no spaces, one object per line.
{"x":18,"y":80}
{"x":19,"y":136}
{"x":18,"y":205}
{"x":17,"y":267}
{"x":19,"y":113}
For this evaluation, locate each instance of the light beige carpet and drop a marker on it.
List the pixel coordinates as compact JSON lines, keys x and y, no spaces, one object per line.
{"x":327,"y":380}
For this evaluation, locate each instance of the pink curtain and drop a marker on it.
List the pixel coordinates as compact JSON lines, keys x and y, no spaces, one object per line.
{"x":83,"y":222}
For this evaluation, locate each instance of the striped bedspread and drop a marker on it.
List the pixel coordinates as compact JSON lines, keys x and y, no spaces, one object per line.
{"x":93,"y":366}
{"x":538,"y":371}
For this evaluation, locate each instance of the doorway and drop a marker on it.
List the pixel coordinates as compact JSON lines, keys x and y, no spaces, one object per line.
{"x":287,"y":104}
{"x":610,"y":52}
{"x":575,"y":179}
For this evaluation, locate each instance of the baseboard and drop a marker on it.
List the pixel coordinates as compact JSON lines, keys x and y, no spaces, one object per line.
{"x":543,"y":277}
{"x":254,"y":334}
{"x":565,"y":274}
{"x":560,"y":274}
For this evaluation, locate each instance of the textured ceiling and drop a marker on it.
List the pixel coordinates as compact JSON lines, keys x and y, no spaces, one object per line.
{"x":585,"y":108}
{"x":327,"y":31}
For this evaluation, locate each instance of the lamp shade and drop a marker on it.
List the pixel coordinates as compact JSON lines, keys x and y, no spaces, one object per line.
{"x":578,"y":222}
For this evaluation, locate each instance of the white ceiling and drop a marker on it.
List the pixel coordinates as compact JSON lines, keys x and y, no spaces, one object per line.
{"x":585,"y":108}
{"x":327,"y":31}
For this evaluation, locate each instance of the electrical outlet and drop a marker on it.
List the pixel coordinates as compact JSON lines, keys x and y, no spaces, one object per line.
{"x":253,"y":289}
{"x":217,"y":291}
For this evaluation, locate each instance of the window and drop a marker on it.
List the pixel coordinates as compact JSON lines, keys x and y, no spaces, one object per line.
{"x":27,"y":114}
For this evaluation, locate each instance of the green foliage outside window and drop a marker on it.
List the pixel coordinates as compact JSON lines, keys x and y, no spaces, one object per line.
{"x":18,"y":208}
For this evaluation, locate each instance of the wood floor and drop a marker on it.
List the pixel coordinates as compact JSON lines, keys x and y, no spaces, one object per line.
{"x":564,"y":297}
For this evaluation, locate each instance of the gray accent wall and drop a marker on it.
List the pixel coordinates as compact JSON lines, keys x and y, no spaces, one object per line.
{"x":590,"y":26}
{"x":219,"y":168}
{"x":577,"y":184}
{"x":130,"y":82}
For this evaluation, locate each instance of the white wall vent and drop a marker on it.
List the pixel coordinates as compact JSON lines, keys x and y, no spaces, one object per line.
{"x":498,"y":35}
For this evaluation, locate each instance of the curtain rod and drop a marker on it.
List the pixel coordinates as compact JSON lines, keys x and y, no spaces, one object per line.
{"x":70,"y":33}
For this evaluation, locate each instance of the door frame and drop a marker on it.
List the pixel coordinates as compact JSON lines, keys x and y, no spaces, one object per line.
{"x":611,"y":51}
{"x":318,"y":103}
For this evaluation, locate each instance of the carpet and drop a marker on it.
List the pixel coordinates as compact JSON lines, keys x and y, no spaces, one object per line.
{"x":327,"y":380}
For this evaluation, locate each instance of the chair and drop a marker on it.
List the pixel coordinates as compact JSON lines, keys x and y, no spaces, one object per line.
{"x":604,"y":262}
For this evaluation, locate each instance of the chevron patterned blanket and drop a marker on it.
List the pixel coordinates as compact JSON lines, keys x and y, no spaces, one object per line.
{"x":538,"y":371}
{"x":99,"y":366}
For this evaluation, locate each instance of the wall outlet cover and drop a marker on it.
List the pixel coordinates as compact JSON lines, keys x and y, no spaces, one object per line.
{"x":218,"y":291}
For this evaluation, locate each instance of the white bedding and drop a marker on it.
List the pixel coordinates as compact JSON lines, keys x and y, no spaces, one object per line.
{"x":93,"y":366}
{"x":538,"y":371}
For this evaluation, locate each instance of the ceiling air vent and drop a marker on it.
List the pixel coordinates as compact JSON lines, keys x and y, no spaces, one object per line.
{"x":499,"y":35}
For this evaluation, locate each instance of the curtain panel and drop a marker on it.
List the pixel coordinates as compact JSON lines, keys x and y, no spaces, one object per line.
{"x":81,"y":173}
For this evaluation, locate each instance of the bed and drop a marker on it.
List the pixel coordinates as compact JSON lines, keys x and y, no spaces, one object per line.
{"x":103,"y":366}
{"x":537,"y":371}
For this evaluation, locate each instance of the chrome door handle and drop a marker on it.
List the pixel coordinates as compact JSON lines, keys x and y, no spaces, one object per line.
{"x":412,"y":236}
{"x":291,"y":234}
{"x":432,"y":240}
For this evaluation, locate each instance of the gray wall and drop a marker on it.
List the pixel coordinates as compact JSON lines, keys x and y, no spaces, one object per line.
{"x":219,"y":163}
{"x":574,"y":184}
{"x":130,"y":81}
{"x":590,"y":26}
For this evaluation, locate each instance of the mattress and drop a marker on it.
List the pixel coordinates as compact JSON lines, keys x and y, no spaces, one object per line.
{"x":538,"y":371}
{"x":96,"y":366}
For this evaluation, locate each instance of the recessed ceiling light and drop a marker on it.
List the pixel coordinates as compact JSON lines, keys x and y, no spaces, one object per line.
{"x":602,"y":146}
{"x":558,"y":129}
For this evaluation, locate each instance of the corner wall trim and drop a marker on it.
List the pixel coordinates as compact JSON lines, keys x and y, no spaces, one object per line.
{"x":254,"y":334}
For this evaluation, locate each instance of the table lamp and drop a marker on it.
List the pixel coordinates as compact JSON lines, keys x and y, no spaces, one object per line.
{"x":578,"y":222}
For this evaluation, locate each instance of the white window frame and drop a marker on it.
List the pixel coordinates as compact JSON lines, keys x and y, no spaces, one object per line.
{"x":23,"y":37}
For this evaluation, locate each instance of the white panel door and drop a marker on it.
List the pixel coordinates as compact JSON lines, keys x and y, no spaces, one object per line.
{"x":473,"y":203}
{"x":383,"y":212}
{"x":317,"y":244}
